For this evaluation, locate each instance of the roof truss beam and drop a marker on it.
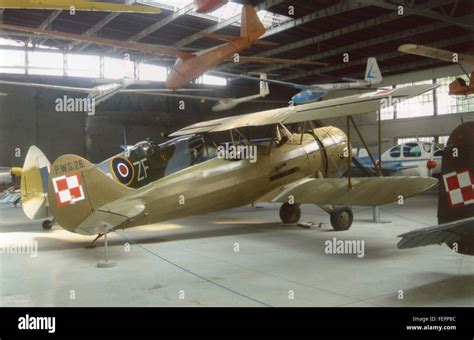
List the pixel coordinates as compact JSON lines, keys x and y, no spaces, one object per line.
{"x":420,"y":11}
{"x":93,"y":30}
{"x":196,"y":36}
{"x":333,"y":34}
{"x":342,"y":7}
{"x":381,"y":57}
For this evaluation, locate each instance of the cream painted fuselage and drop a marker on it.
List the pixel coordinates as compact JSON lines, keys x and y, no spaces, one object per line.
{"x":219,"y":184}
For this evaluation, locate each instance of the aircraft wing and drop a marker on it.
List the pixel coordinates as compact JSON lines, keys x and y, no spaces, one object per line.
{"x":444,"y":233}
{"x":272,"y":81}
{"x":266,"y":60}
{"x":136,"y":46}
{"x":339,"y":107}
{"x":365,"y":191}
{"x":165,"y":94}
{"x":436,"y":53}
{"x":48,"y":86}
{"x":115,"y":214}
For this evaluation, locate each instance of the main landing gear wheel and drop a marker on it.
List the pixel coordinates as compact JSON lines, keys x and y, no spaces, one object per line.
{"x":290,"y":213}
{"x":341,"y":218}
{"x":47,"y":224}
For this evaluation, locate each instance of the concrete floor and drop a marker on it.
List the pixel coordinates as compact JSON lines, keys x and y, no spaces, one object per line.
{"x":192,"y":262}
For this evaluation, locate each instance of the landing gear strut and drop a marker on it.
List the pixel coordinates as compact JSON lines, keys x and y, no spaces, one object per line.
{"x":341,"y":218}
{"x":290,"y":213}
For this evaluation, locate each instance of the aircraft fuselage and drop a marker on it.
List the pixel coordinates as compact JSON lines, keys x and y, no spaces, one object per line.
{"x":219,"y":184}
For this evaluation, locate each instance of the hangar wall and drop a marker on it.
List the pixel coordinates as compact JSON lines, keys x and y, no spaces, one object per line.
{"x":28,"y":117}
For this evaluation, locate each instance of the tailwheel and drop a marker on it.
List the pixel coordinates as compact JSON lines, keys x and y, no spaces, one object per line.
{"x":290,"y":213}
{"x":341,"y":218}
{"x":47,"y":224}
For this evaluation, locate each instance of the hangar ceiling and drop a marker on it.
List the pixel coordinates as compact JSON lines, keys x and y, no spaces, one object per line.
{"x":319,"y":30}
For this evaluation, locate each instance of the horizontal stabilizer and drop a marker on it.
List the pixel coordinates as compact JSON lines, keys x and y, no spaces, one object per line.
{"x":444,"y":233}
{"x":113,"y":215}
{"x":365,"y":191}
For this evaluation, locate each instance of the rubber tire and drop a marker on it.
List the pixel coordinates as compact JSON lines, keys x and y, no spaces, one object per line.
{"x":341,"y":218}
{"x":290,"y":213}
{"x":47,"y":224}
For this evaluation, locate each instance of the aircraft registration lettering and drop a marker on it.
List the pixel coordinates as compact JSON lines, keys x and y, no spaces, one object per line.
{"x":69,"y":166}
{"x":142,"y":169}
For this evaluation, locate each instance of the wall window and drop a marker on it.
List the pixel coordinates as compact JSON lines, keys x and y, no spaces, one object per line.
{"x":49,"y":63}
{"x":211,"y":80}
{"x":443,"y":140}
{"x":12,"y":61}
{"x":416,"y":107}
{"x":415,"y":139}
{"x":115,"y":68}
{"x":152,"y":72}
{"x":80,"y":65}
{"x":448,"y":104}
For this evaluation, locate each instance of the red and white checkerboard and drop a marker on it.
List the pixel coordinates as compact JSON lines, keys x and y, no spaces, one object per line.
{"x":460,"y":187}
{"x":68,"y":189}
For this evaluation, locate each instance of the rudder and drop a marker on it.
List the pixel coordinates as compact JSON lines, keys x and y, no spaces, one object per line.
{"x":34,"y":184}
{"x":456,"y":193}
{"x":250,"y":27}
{"x":372,"y":72}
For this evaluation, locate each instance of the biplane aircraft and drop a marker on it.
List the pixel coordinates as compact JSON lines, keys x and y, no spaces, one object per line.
{"x":300,"y":167}
{"x":188,"y":66}
{"x":455,"y":198}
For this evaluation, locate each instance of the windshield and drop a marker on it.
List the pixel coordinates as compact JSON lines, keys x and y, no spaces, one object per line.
{"x":182,"y":152}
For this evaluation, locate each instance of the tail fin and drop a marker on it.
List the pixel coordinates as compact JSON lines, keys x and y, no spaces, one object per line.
{"x":77,"y":188}
{"x":264,"y":90}
{"x":250,"y":26}
{"x":372,"y":72}
{"x":34,"y":184}
{"x":456,"y":189}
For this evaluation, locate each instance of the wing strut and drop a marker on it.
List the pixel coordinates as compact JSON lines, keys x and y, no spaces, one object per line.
{"x":362,"y":139}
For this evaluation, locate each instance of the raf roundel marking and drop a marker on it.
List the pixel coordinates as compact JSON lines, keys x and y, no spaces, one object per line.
{"x":122,"y":170}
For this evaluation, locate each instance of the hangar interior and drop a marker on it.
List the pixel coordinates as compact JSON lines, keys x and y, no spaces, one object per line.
{"x":243,"y":256}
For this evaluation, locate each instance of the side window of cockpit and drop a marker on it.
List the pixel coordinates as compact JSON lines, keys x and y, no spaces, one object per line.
{"x":196,"y":148}
{"x":411,"y":150}
{"x":395,"y":152}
